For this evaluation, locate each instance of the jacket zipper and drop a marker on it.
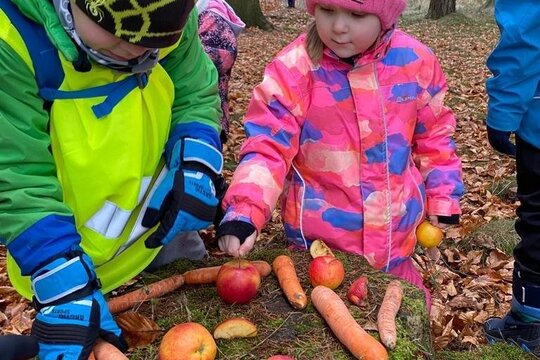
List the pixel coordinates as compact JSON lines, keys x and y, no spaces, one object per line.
{"x":388,"y":196}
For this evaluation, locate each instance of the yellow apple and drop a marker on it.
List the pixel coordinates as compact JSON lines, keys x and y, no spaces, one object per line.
{"x":188,"y":341}
{"x":235,"y":328}
{"x":428,"y":235}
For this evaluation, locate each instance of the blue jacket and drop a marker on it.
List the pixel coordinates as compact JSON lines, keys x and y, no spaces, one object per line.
{"x":514,"y":94}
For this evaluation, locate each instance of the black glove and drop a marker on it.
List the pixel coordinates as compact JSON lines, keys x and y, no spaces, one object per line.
{"x":450,"y":220}
{"x":500,"y":141}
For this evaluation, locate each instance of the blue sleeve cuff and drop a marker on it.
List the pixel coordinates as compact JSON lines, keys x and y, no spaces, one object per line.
{"x":192,"y":130}
{"x":47,"y":238}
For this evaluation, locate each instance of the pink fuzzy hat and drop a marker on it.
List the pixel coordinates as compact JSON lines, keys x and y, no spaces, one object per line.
{"x":388,"y":11}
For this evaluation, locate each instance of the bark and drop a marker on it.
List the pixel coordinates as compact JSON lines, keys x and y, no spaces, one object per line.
{"x":250,"y":12}
{"x":488,"y":4}
{"x":440,"y":8}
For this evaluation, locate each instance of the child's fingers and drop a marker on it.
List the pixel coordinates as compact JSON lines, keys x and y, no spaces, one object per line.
{"x":229,"y":244}
{"x":246,"y":247}
{"x":434,"y":220}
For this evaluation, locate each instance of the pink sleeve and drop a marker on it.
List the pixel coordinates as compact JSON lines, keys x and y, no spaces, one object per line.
{"x":272,"y":141}
{"x":434,"y":149}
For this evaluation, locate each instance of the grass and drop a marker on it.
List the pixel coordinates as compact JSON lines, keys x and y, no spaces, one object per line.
{"x":504,"y":187}
{"x":499,"y":233}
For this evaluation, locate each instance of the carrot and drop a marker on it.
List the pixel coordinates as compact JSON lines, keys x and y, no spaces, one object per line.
{"x":208,"y":275}
{"x":264,"y":268}
{"x":105,"y":351}
{"x":386,"y":318}
{"x":344,"y":326}
{"x":288,"y":281}
{"x":136,"y":297}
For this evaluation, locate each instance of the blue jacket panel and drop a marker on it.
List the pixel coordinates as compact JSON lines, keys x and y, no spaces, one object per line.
{"x":514,"y":94}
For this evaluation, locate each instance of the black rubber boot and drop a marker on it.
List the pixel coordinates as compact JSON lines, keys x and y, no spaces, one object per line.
{"x":513,"y":328}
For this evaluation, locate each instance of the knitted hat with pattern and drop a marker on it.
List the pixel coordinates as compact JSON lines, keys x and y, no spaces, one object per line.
{"x":388,"y":11}
{"x":148,"y":23}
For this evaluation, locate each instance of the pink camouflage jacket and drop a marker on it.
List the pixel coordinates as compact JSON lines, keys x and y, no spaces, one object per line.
{"x":359,"y":154}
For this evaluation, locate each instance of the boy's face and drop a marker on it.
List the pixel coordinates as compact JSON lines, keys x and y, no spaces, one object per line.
{"x":345,"y":32}
{"x":103,"y":41}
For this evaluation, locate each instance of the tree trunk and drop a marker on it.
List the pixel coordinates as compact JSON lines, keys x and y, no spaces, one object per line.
{"x":488,"y":4}
{"x":439,"y":8}
{"x":250,"y":12}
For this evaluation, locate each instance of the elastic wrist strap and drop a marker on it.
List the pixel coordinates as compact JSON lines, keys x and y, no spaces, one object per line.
{"x":189,"y":150}
{"x":62,"y":277}
{"x":241,"y":229}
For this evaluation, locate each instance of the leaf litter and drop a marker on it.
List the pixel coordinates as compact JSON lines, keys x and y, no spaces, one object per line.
{"x":468,"y":286}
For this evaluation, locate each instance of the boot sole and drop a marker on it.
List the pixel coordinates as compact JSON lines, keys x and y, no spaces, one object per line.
{"x":493,"y":340}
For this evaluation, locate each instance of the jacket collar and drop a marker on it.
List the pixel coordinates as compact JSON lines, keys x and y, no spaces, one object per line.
{"x":44,"y":13}
{"x":373,"y":54}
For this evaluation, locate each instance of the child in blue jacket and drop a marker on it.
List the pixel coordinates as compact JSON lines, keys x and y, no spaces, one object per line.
{"x":514,"y":107}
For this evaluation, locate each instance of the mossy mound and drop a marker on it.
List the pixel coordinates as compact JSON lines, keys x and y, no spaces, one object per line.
{"x":282,"y":329}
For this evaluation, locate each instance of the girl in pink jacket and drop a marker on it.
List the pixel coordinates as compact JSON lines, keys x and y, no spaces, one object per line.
{"x":349,"y":130}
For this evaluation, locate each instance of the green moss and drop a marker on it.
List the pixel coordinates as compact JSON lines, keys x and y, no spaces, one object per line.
{"x":282,"y":329}
{"x":498,"y":351}
{"x":148,"y":353}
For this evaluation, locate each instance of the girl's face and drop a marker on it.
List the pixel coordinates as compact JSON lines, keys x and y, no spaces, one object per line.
{"x":346,"y":33}
{"x":103,"y":41}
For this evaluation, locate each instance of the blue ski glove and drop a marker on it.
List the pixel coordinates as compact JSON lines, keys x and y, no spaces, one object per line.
{"x":71,"y":311}
{"x":500,"y":141}
{"x":186,"y":198}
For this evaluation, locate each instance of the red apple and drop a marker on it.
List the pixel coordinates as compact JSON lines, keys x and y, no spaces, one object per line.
{"x":358,"y":291}
{"x":188,"y":341}
{"x":238,"y":281}
{"x":326,"y":270}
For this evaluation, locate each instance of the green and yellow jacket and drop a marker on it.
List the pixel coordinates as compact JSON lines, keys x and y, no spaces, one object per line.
{"x":77,"y":171}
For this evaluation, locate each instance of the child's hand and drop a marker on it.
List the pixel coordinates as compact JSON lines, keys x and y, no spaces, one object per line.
{"x":434,"y":253}
{"x":231,"y":244}
{"x":434,"y":220}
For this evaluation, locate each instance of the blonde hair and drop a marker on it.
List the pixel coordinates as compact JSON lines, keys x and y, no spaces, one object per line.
{"x":314,"y":44}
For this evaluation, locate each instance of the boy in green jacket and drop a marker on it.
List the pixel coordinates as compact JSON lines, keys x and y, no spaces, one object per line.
{"x":109,"y":149}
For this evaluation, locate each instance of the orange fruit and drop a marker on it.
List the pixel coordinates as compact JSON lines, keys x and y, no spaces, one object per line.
{"x":428,"y":235}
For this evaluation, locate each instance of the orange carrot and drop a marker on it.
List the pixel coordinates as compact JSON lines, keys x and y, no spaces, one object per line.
{"x":264,"y":268}
{"x":136,"y":297}
{"x":105,"y":351}
{"x":386,"y":318}
{"x":208,"y":275}
{"x":288,"y":281}
{"x":344,"y":326}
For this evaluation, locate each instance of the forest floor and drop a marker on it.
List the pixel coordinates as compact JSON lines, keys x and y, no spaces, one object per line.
{"x":470,"y":278}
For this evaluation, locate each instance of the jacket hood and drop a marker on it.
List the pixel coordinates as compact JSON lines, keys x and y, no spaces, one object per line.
{"x":44,"y":13}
